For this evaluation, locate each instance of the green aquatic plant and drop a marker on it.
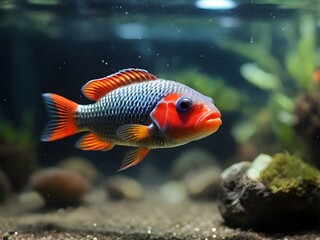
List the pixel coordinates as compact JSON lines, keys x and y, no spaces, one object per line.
{"x":288,"y":173}
{"x":18,"y":135}
{"x":257,"y":50}
{"x":282,"y":119}
{"x":268,"y":70}
{"x":280,"y":75}
{"x":17,"y":149}
{"x":225,"y":97}
{"x":295,"y":4}
{"x":301,"y":60}
{"x":260,"y":78}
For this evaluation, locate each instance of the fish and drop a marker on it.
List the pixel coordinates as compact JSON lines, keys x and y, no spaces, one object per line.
{"x":134,"y":108}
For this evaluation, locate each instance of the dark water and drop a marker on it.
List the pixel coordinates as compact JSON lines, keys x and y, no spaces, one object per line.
{"x":57,"y":46}
{"x":258,"y":60}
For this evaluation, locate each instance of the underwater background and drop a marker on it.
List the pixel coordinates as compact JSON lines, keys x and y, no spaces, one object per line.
{"x":258,"y":60}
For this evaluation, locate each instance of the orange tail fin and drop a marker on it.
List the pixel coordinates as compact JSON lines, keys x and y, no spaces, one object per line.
{"x":62,"y":113}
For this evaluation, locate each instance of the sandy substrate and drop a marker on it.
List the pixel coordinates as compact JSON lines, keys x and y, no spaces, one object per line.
{"x":151,"y":218}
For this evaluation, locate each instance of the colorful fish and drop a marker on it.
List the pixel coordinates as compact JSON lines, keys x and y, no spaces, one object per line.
{"x":132,"y":108}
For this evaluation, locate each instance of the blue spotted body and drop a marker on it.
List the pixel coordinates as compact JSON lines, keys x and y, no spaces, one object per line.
{"x":131,"y":104}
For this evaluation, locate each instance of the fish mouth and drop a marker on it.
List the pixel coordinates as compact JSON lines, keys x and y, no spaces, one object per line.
{"x":209,"y":122}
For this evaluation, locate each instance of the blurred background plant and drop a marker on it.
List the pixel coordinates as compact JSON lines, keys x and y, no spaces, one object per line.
{"x":19,"y":135}
{"x":17,"y":149}
{"x":227,"y":98}
{"x":281,"y":64}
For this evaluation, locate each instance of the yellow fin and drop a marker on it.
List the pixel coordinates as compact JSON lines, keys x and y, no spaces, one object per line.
{"x":97,"y":88}
{"x":91,"y":141}
{"x":133,"y":132}
{"x":133,"y":157}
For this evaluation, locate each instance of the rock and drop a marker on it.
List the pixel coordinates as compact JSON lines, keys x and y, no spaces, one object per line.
{"x":275,"y":191}
{"x":122,"y":187}
{"x":59,"y":188}
{"x":80,"y":165}
{"x":190,"y":160}
{"x":173,"y":192}
{"x":203,"y":183}
{"x":4,"y":186}
{"x":32,"y":199}
{"x":17,"y":162}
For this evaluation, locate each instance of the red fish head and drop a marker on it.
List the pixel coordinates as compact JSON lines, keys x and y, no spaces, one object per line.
{"x":186,"y":118}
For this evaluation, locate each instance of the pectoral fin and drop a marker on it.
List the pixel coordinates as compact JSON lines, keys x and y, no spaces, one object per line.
{"x":91,"y":141}
{"x":133,"y":132}
{"x":133,"y":157}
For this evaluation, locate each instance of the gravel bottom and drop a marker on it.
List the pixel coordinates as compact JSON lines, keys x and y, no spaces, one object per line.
{"x":100,"y":218}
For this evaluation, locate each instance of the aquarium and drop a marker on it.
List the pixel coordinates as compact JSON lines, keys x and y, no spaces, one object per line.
{"x":152,"y":119}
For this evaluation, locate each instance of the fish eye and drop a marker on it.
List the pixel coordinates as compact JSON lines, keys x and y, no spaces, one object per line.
{"x":184,"y":104}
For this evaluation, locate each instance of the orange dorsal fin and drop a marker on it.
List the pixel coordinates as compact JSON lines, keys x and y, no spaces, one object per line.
{"x":97,"y":88}
{"x":92,"y":142}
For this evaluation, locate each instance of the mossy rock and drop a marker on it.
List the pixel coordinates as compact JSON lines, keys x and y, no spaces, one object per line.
{"x":288,"y":173}
{"x":278,"y":191}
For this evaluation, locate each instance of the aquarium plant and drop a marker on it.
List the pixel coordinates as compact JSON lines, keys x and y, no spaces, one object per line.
{"x":226,"y":97}
{"x":18,"y":135}
{"x":17,"y":146}
{"x":273,"y":72}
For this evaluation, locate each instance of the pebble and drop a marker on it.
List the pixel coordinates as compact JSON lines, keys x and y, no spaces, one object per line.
{"x":59,"y":188}
{"x":203,"y":183}
{"x":190,"y":160}
{"x":81,"y":166}
{"x":122,"y":187}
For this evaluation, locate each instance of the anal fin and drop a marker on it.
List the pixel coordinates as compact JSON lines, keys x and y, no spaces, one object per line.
{"x":133,"y":157}
{"x":92,"y":142}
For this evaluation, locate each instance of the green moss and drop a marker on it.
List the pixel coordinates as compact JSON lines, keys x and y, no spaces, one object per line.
{"x":288,"y":173}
